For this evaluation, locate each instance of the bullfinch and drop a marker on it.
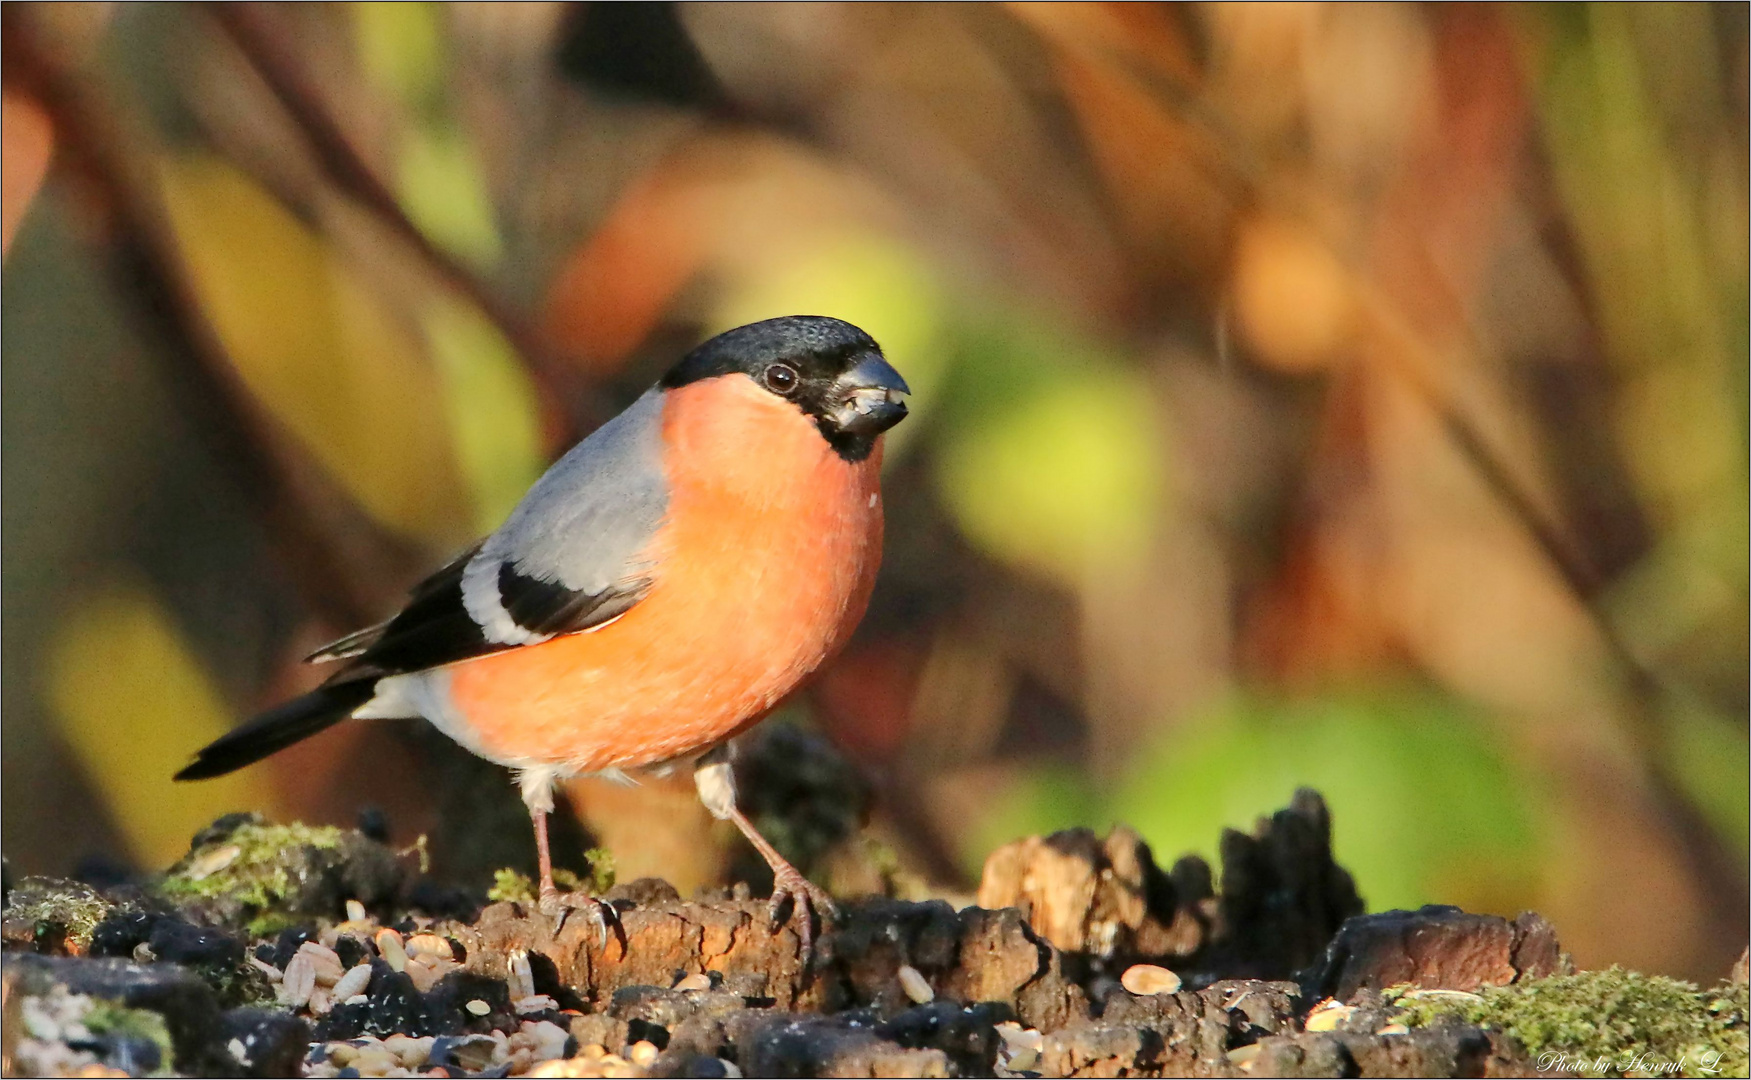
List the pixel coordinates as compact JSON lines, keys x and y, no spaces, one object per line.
{"x":658,"y":591}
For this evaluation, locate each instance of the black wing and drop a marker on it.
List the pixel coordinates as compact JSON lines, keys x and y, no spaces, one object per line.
{"x":435,"y":628}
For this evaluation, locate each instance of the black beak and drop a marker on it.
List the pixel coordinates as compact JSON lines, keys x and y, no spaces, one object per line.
{"x":870,"y":397}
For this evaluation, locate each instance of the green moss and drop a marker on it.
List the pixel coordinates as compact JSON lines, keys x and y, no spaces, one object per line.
{"x":54,"y":908}
{"x":108,"y":1018}
{"x":1607,"y":1023}
{"x":601,"y":870}
{"x":510,"y":887}
{"x":252,"y":866}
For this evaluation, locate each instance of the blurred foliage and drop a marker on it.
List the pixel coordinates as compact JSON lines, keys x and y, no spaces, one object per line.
{"x":490,"y":406}
{"x":1303,"y":394}
{"x":311,"y":340}
{"x":1425,"y":806}
{"x":119,"y":676}
{"x":1053,"y":457}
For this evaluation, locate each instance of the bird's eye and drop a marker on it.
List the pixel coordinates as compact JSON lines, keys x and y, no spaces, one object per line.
{"x":781,"y":378}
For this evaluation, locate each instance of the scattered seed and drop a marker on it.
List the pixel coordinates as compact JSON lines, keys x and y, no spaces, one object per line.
{"x":339,"y":1053}
{"x":546,"y":1038}
{"x":273,"y":973}
{"x":411,"y":1052}
{"x":325,"y":961}
{"x":430,"y":945}
{"x":1394,"y":1029}
{"x":143,"y":954}
{"x":1242,"y":1057}
{"x":643,"y":1052}
{"x":356,"y":911}
{"x":917,"y":987}
{"x":520,"y":975}
{"x":1327,"y":1015}
{"x":1023,"y":1060}
{"x":478,"y":1007}
{"x":731,"y":1070}
{"x":375,"y":1061}
{"x":699,"y":980}
{"x":389,"y":947}
{"x":1145,"y":980}
{"x":534,"y":1003}
{"x":299,"y":982}
{"x":593,"y":1052}
{"x":1017,"y":1037}
{"x":558,"y":1067}
{"x":353,"y":982}
{"x":210,"y":862}
{"x":426,"y":971}
{"x":321,"y":1001}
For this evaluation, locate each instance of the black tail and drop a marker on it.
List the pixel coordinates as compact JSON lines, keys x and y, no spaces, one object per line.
{"x":279,"y":728}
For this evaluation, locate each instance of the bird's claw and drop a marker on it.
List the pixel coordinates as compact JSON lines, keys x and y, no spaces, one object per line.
{"x":558,"y":906}
{"x":806,"y":901}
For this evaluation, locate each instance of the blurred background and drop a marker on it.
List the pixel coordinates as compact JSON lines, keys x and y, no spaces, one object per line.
{"x":1344,"y":395}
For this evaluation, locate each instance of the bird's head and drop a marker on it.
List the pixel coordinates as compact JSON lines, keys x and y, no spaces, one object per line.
{"x":831,"y":370}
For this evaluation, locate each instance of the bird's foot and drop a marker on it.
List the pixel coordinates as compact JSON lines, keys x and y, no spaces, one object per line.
{"x":601,"y":914}
{"x":807,"y":904}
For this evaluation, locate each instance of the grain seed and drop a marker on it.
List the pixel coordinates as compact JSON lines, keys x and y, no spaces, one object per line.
{"x":389,"y":947}
{"x":299,"y":982}
{"x":642,"y":1053}
{"x":411,"y":1052}
{"x":478,"y":1007}
{"x":353,"y":982}
{"x":1145,"y":980}
{"x":325,"y":961}
{"x":917,"y":987}
{"x":1327,"y":1015}
{"x":211,"y":861}
{"x":430,"y":945}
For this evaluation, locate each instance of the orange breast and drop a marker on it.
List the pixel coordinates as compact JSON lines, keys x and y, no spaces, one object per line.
{"x":765,"y":564}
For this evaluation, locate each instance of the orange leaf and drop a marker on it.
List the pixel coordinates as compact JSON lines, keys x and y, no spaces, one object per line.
{"x":27,"y":140}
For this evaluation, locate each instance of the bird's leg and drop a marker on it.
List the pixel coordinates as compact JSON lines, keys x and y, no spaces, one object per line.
{"x":716,"y":780}
{"x":543,"y":858}
{"x":554,"y":904}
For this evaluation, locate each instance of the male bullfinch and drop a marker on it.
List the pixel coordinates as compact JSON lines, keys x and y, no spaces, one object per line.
{"x":657,"y":592}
